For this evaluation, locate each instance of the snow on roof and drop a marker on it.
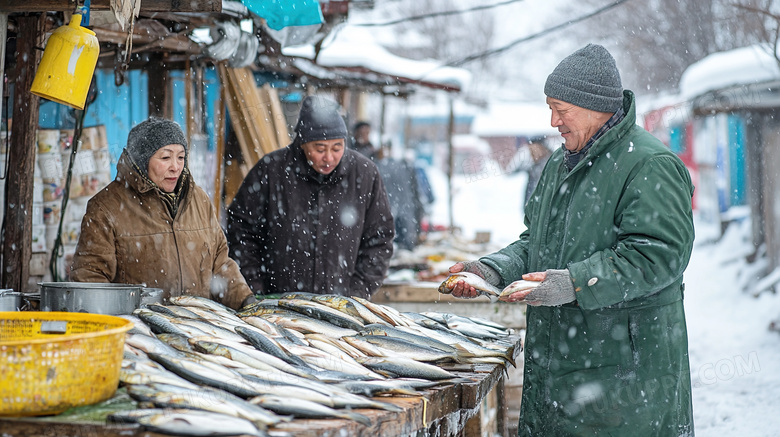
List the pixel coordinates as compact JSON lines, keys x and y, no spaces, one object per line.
{"x":441,"y":108}
{"x":353,"y":46}
{"x":743,"y":66}
{"x":470,"y":141}
{"x":514,"y":119}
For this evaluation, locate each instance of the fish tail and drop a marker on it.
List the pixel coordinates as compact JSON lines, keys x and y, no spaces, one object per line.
{"x":357,"y":417}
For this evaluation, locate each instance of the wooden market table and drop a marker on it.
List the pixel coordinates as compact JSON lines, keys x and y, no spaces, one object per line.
{"x":424,"y":296}
{"x":448,"y":410}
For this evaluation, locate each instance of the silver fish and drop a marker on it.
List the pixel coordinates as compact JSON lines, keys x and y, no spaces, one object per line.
{"x":379,"y":310}
{"x":411,"y":334}
{"x":520,"y":285}
{"x":202,"y":302}
{"x":217,"y":401}
{"x":322,"y":312}
{"x":176,"y":341}
{"x":150,"y":344}
{"x":205,"y":373}
{"x":265,"y":343}
{"x":199,"y":423}
{"x":139,"y":327}
{"x":334,"y":363}
{"x":407,"y":367}
{"x":307,"y":324}
{"x":409,"y":349}
{"x":158,"y":322}
{"x":304,"y":408}
{"x":465,"y":346}
{"x":209,"y":329}
{"x":247,"y":355}
{"x":483,"y":287}
{"x":129,"y":376}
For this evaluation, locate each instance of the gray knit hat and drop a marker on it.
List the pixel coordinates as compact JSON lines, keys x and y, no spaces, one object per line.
{"x":320,"y":119}
{"x":147,"y":137}
{"x":587,"y":78}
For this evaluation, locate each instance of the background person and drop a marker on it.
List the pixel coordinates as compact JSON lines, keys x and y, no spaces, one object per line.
{"x":609,"y":234}
{"x":152,"y":225}
{"x":539,"y":156}
{"x":400,"y":179}
{"x":313,"y":216}
{"x":361,"y":142}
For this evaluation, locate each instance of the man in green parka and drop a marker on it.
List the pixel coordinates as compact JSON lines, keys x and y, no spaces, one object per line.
{"x":609,"y":235}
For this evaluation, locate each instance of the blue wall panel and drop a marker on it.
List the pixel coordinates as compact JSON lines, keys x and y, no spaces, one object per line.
{"x":118,"y":108}
{"x":738,"y":179}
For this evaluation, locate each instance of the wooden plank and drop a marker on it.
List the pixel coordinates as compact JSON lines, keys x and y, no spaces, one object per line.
{"x":265,"y":125}
{"x":473,"y":427}
{"x":252,"y":150}
{"x":98,"y":5}
{"x":233,"y":103}
{"x":277,"y":115}
{"x":17,"y":248}
{"x":242,"y":97}
{"x":255,"y":112}
{"x":501,"y":407}
{"x":472,"y":393}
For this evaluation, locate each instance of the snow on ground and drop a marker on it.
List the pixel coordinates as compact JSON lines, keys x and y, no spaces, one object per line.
{"x":735,"y":359}
{"x":488,"y":201}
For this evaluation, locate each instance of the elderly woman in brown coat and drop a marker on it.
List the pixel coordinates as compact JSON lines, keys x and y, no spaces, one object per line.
{"x":153,"y":225}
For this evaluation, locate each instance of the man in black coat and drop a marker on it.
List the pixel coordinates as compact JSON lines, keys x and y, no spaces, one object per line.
{"x":313,"y":216}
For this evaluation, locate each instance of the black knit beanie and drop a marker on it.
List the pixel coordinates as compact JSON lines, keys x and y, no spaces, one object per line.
{"x":587,"y":78}
{"x":320,"y":120}
{"x":147,"y":137}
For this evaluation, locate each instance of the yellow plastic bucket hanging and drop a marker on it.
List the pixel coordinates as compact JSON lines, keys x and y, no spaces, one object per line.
{"x":68,"y":63}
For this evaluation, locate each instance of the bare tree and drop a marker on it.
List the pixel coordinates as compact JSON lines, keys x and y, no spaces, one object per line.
{"x":444,"y":37}
{"x":661,"y":38}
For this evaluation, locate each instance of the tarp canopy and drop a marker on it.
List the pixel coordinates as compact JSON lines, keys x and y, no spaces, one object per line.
{"x":279,"y":14}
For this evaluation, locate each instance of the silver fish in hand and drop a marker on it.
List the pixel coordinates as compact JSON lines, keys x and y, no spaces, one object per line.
{"x":517,"y":286}
{"x":483,"y":287}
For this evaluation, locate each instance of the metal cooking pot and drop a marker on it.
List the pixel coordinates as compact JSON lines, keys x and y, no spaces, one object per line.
{"x":151,"y":296}
{"x":90,"y":297}
{"x":10,"y":300}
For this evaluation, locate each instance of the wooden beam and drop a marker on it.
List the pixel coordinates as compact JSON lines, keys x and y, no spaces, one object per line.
{"x":146,"y":5}
{"x":141,"y":42}
{"x":277,"y":115}
{"x":17,"y":248}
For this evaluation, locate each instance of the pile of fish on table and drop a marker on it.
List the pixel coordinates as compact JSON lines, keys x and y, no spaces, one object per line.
{"x":301,"y":356}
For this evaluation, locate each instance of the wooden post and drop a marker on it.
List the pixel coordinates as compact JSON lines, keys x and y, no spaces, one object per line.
{"x":189,"y":127}
{"x":3,"y":38}
{"x":382,"y":152}
{"x":219,"y":133}
{"x":159,"y":94}
{"x":17,"y":248}
{"x":501,"y":408}
{"x":451,"y":162}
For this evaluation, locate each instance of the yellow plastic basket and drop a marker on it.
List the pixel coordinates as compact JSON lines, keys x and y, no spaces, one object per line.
{"x":52,"y":361}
